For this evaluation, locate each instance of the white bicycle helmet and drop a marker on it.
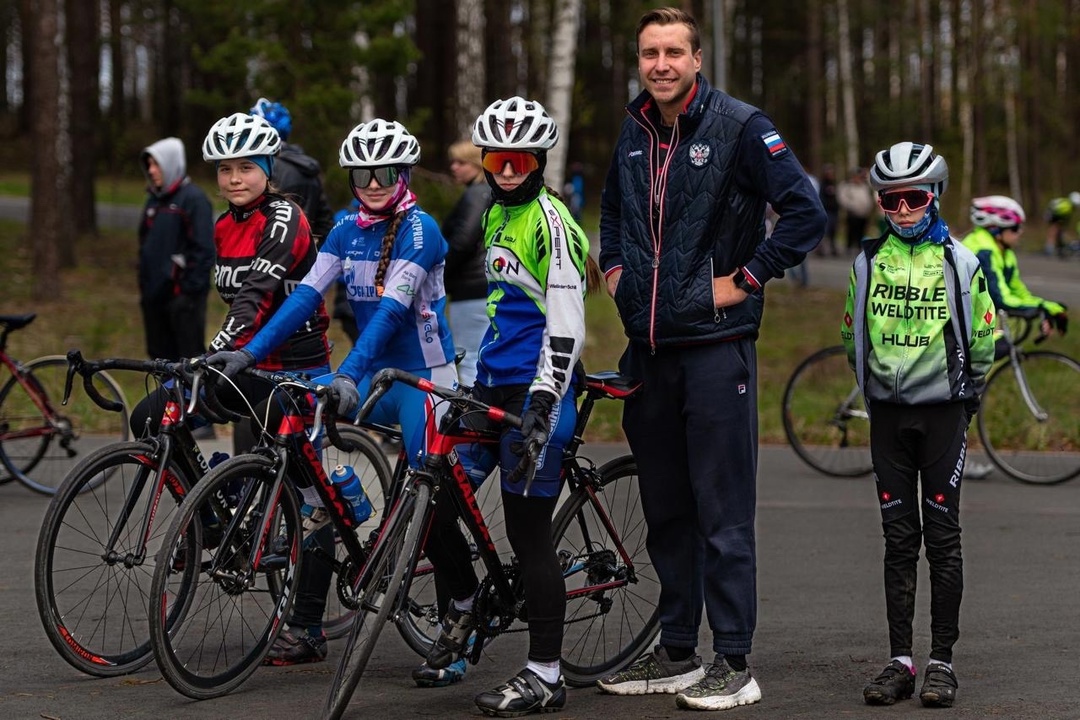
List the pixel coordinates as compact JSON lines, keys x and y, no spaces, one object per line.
{"x":379,"y":143}
{"x":1074,"y":197}
{"x":996,"y":211}
{"x":515,"y":124}
{"x":240,"y":135}
{"x":906,"y":164}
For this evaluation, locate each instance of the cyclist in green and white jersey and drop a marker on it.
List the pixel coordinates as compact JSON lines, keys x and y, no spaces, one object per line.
{"x":918,"y":327}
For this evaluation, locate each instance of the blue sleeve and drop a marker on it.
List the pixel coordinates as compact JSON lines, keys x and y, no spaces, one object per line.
{"x":418,"y":248}
{"x":294,"y":312}
{"x":777,"y":176}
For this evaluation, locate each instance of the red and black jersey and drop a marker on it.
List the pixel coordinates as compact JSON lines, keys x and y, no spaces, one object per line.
{"x":263,"y":252}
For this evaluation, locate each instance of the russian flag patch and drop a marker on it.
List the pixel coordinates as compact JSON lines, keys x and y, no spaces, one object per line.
{"x":774,"y":144}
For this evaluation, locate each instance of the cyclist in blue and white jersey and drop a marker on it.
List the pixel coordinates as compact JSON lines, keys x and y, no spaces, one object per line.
{"x":390,"y":254}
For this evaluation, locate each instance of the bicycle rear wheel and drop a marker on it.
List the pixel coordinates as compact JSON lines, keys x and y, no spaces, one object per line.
{"x":392,"y":560}
{"x":234,"y":611}
{"x":39,"y":449}
{"x":92,"y":590}
{"x":611,"y":586}
{"x":369,"y":461}
{"x":1026,"y":448}
{"x":824,"y":417}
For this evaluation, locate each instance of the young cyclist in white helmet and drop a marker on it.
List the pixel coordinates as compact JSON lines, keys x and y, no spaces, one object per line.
{"x":526,"y":365}
{"x":264,"y":246}
{"x":390,"y":255}
{"x":918,"y":328}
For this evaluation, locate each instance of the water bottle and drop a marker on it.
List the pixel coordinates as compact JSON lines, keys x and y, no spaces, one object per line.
{"x":353,"y":492}
{"x":217,"y":458}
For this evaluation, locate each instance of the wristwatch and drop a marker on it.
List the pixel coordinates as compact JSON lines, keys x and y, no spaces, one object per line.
{"x":742,"y":283}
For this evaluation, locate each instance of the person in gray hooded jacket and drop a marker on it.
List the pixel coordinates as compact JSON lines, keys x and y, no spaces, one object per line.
{"x":176,"y":254}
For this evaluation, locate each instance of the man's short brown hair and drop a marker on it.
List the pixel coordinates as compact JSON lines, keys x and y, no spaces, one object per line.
{"x":670,"y":16}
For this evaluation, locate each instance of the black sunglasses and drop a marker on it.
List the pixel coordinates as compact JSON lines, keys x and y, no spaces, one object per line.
{"x":386,"y":176}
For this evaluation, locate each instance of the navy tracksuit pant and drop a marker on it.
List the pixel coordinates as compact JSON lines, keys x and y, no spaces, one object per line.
{"x":693,"y":431}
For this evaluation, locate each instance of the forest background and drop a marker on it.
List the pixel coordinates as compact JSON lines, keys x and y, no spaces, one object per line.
{"x":993,"y":84}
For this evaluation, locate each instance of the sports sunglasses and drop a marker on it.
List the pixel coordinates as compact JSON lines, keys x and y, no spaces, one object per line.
{"x":522,"y":163}
{"x":386,"y":176}
{"x":914,"y":198}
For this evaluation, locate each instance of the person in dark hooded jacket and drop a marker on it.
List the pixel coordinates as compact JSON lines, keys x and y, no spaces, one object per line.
{"x":176,"y":254}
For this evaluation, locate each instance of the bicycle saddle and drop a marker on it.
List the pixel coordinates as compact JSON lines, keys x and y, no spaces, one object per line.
{"x":14,"y":322}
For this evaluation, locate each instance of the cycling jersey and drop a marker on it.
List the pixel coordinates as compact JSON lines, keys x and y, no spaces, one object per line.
{"x":918,"y":323}
{"x":406,"y":326}
{"x":536,"y":283}
{"x":263,"y":252}
{"x":1003,"y":275}
{"x":1059,"y":210}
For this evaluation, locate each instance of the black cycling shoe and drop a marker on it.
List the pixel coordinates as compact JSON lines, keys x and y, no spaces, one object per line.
{"x":457,"y":626}
{"x":939,"y":686}
{"x":523,"y":694}
{"x":896,"y":682}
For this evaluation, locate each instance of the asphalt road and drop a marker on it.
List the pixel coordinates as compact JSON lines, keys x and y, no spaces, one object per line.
{"x":821,"y":631}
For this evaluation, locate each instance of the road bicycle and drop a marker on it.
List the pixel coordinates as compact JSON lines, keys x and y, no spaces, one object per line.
{"x":100,"y":536}
{"x":40,"y":440}
{"x":1029,"y":419}
{"x":1028,"y":422}
{"x":599,"y":532}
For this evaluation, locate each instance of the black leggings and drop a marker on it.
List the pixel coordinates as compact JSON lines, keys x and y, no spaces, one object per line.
{"x":912,"y":445}
{"x":528,"y":528}
{"x":146,"y":415}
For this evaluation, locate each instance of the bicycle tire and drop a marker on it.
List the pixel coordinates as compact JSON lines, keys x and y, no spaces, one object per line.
{"x":608,"y":629}
{"x":369,"y":461}
{"x":421,"y":623}
{"x":93,"y":609}
{"x":1024,"y":448}
{"x":824,"y":418}
{"x":405,"y":539}
{"x":32,"y":446}
{"x":231,"y":618}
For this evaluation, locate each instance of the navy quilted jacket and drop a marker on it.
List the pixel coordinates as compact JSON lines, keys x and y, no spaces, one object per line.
{"x":673,"y":227}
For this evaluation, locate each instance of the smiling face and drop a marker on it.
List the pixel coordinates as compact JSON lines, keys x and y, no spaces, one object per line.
{"x":374,"y":196}
{"x":241,"y":181}
{"x":668,"y":66}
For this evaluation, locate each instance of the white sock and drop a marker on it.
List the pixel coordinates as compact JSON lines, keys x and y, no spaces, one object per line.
{"x":906,"y":659}
{"x":465,"y":605}
{"x":548,"y":672}
{"x":311,"y":496}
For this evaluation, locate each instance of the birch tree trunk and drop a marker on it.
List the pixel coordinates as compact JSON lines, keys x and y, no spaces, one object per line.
{"x":847,"y":89}
{"x":561,"y":85}
{"x":470,"y":63}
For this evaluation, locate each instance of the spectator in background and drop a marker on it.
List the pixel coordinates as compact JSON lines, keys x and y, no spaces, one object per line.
{"x":854,"y":196}
{"x":827,"y":193}
{"x":574,"y":191}
{"x":296,"y":173}
{"x":176,"y":254}
{"x":466,"y":281}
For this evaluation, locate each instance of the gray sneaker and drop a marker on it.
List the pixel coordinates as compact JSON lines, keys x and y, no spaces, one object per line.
{"x":721,"y":689}
{"x":653,"y":673}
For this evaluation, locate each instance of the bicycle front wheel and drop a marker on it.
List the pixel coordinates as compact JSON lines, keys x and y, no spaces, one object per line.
{"x":392,"y":561}
{"x":95,"y":556}
{"x":824,"y":417}
{"x":422,"y":621}
{"x":1028,"y":422}
{"x":41,"y":440}
{"x":612,"y":589}
{"x":364,"y":455}
{"x":233,"y":607}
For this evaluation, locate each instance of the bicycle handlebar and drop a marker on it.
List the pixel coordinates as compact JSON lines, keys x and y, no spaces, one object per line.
{"x":77,"y":364}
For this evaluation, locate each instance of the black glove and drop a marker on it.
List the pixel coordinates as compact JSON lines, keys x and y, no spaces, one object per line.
{"x":535,"y":425}
{"x":971,"y":406}
{"x":231,"y":362}
{"x":1060,"y":322}
{"x":348,"y":395}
